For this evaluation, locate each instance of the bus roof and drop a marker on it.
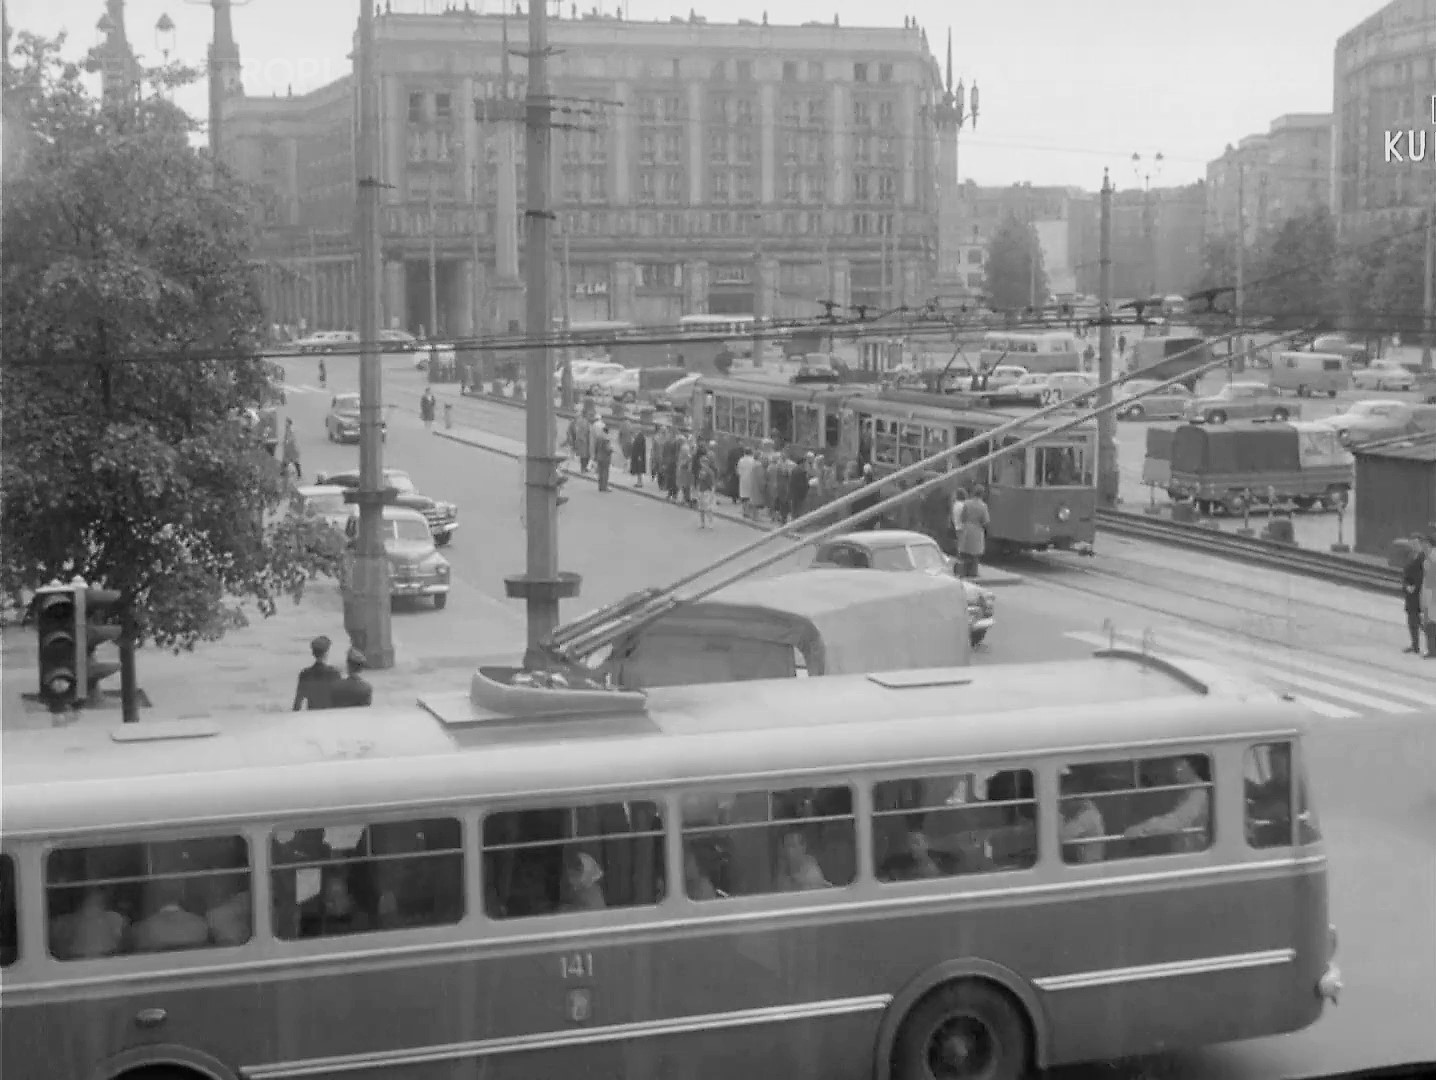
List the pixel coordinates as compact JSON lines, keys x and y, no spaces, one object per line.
{"x":94,"y":778}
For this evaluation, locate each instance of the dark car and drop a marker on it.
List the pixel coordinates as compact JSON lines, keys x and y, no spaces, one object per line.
{"x":443,"y":517}
{"x":342,"y":423}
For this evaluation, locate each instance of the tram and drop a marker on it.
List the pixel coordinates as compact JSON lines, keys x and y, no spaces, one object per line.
{"x":1041,"y":497}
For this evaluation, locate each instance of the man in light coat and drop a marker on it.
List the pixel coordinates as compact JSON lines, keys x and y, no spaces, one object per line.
{"x":1428,"y":596}
{"x":972,"y":533}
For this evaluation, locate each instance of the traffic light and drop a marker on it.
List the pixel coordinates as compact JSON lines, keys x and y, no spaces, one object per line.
{"x":57,"y":622}
{"x":101,"y":610}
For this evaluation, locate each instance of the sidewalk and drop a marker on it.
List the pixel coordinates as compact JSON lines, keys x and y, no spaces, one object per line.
{"x":513,"y":448}
{"x":253,"y":670}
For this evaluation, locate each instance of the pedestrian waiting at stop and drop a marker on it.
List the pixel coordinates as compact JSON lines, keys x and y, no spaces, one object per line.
{"x":1412,"y":585}
{"x":972,"y":532}
{"x":317,"y":681}
{"x":638,"y":457}
{"x":426,"y":408}
{"x":291,"y":450}
{"x":352,"y":691}
{"x":705,"y":481}
{"x":1428,"y":594}
{"x":602,"y":455}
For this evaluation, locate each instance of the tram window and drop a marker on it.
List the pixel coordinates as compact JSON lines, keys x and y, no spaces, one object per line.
{"x":353,"y":879}
{"x":832,"y":430}
{"x":9,"y":913}
{"x":909,"y":444}
{"x":573,"y":858}
{"x":755,"y":429}
{"x":782,"y":417}
{"x":1136,"y":808}
{"x":808,"y":425}
{"x":1058,"y":466}
{"x":1270,"y":789}
{"x":156,"y":896}
{"x":885,"y":442}
{"x":940,"y":826}
{"x":722,"y":413}
{"x":753,"y":843}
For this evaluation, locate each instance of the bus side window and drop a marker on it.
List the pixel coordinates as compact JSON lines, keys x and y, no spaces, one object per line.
{"x":158,"y":896}
{"x":1137,"y":808}
{"x":575,"y":858}
{"x":933,"y":827}
{"x":753,"y":843}
{"x":1272,"y":787}
{"x":9,"y":913}
{"x":352,"y":879}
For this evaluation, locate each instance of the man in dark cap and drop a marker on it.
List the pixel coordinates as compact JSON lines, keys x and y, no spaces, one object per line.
{"x":353,"y":692}
{"x":317,"y":682}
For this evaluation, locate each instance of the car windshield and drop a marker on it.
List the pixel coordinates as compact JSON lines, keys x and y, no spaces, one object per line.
{"x":330,"y":502}
{"x":928,"y":557}
{"x":891,"y":558}
{"x":407,"y":529}
{"x":399,"y":481}
{"x":346,"y":403}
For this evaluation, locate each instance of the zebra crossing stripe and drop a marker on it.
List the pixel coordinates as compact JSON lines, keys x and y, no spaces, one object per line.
{"x":1327,"y":690}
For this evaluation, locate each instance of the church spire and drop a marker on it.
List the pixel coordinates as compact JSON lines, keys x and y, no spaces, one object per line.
{"x":949,"y":60}
{"x":224,"y":52}
{"x":504,"y":58}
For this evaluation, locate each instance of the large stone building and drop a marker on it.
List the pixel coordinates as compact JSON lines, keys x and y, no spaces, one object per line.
{"x":1047,"y":209}
{"x":1266,"y":179}
{"x":698,"y":168}
{"x":1385,"y":75}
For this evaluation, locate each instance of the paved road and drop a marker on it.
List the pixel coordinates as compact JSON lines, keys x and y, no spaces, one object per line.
{"x":1376,"y":727}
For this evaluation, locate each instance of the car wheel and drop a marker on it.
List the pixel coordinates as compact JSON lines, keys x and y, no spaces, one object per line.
{"x":1278,"y":415}
{"x":1216,"y":416}
{"x":441,"y":601}
{"x":442,"y":539}
{"x":976,"y":637}
{"x":1132,"y":412}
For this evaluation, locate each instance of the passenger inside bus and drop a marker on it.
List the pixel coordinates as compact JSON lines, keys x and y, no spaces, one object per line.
{"x":92,"y":931}
{"x":1082,"y":829}
{"x":919,"y":861}
{"x":1189,"y":822}
{"x":230,"y":918}
{"x":696,"y":881}
{"x":334,"y":910}
{"x":169,"y":925}
{"x":1057,"y":466}
{"x":1268,"y":796}
{"x":798,"y":870}
{"x":582,"y":888}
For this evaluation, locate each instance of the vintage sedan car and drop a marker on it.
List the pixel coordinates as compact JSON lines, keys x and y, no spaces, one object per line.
{"x":326,"y":502}
{"x":416,"y":569}
{"x":327,"y":341}
{"x":397,"y":341}
{"x":1066,"y":385}
{"x":1381,"y":418}
{"x":678,"y":394}
{"x":1241,"y":401}
{"x":1382,"y":375}
{"x":1027,"y":390}
{"x":1170,"y":403}
{"x":443,"y":517}
{"x":907,"y":552}
{"x":1004,"y":375}
{"x":593,"y":374}
{"x":342,"y":423}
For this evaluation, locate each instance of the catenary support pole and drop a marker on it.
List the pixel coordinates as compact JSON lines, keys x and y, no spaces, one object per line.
{"x":1107,"y":482}
{"x":542,"y":586}
{"x":1240,"y":298}
{"x":1429,"y":310}
{"x":366,"y":614}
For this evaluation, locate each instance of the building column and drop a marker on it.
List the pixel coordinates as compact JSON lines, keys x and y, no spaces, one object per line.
{"x":768,"y":123}
{"x":465,"y":326}
{"x":695,"y":287}
{"x":765,"y":286}
{"x":623,"y":284}
{"x":696,"y":156}
{"x":620,"y":160}
{"x":395,"y":295}
{"x":394,"y":126}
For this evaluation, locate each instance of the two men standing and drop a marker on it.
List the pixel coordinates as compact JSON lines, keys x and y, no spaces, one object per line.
{"x":322,"y":687}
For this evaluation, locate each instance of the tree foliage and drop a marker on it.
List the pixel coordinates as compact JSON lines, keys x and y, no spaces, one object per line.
{"x":1013,"y":254}
{"x":131,"y":332}
{"x":1294,"y":283}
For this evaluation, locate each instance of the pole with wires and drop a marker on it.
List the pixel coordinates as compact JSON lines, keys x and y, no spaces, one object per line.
{"x":1429,"y":307}
{"x":1107,"y":477}
{"x":542,"y":585}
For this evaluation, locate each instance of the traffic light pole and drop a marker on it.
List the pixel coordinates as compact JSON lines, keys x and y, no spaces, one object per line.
{"x":367,"y":614}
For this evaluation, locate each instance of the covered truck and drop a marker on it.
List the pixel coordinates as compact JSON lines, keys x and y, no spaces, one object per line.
{"x":812,"y":622}
{"x":1219,"y":468}
{"x":1157,"y":465}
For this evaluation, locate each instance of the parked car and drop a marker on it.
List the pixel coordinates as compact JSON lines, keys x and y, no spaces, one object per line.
{"x":593,"y":374}
{"x":443,"y":517}
{"x":327,"y":341}
{"x":1027,"y":390}
{"x":1004,"y":375}
{"x":624,"y":386}
{"x":398,"y":341}
{"x":1338,"y":344}
{"x":416,"y":569}
{"x":1381,"y":418}
{"x":1241,"y":401}
{"x":326,"y":502}
{"x":907,"y":552}
{"x":342,"y":423}
{"x":1170,"y":403}
{"x":1382,"y":375}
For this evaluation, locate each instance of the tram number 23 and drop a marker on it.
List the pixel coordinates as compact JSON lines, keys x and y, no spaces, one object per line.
{"x":576,"y":965}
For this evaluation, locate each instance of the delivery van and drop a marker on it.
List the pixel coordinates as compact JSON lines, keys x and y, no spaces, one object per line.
{"x":1308,"y":373}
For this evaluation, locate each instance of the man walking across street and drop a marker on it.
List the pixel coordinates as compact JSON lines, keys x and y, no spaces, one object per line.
{"x":426,"y":408}
{"x":291,"y":449}
{"x":317,"y":681}
{"x":1412,"y":579}
{"x":353,"y":692}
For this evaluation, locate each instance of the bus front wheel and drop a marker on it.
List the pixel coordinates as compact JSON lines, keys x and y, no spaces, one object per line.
{"x":964,"y":1029}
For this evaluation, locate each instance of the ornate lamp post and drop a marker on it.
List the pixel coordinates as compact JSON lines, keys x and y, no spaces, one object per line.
{"x":165,"y":36}
{"x":1145,"y":169}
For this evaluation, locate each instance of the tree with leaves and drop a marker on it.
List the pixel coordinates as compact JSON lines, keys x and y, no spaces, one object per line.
{"x":1293,"y":282}
{"x":1015,"y":276}
{"x":130,"y":336}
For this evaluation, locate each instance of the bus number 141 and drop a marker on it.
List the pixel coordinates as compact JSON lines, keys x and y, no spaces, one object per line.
{"x":577,"y":965}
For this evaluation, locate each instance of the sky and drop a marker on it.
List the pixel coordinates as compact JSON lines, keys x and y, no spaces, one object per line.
{"x":1068,"y":88}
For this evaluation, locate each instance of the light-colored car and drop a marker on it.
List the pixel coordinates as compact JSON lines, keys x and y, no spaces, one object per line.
{"x":1066,"y":385}
{"x":624,"y":386}
{"x":677,"y":394}
{"x":1164,"y":404}
{"x":441,"y":354}
{"x":398,"y":341}
{"x":1004,"y":375}
{"x":1241,"y":401}
{"x":594,"y":374}
{"x":327,"y":341}
{"x":1382,"y":375}
{"x":342,"y":423}
{"x":907,"y":552}
{"x":1381,"y":418}
{"x":1027,"y":390}
{"x":416,"y":569}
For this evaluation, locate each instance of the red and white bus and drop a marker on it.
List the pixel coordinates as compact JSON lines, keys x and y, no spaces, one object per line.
{"x":866,"y":876}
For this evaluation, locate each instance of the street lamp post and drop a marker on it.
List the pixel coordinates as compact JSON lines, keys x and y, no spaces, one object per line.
{"x":165,"y":36}
{"x":1145,"y":172}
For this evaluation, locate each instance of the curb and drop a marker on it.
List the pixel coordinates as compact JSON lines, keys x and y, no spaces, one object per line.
{"x":991,"y":577}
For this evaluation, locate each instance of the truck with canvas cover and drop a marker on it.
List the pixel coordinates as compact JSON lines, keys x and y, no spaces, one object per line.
{"x":813,"y":622}
{"x":1157,"y":465}
{"x":1220,"y":468}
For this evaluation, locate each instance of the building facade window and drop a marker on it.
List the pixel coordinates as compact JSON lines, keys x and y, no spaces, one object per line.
{"x":860,"y":73}
{"x":443,"y":106}
{"x":416,"y":108}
